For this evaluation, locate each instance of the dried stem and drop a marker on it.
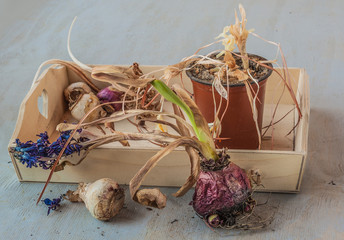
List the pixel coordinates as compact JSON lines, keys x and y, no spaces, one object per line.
{"x":137,"y":180}
{"x":119,"y":116}
{"x":75,"y":68}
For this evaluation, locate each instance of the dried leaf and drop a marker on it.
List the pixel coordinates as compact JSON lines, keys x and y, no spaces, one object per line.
{"x":254,"y":110}
{"x":119,"y":116}
{"x":118,"y":75}
{"x":238,"y":30}
{"x":111,"y":126}
{"x":137,"y":180}
{"x":174,"y":70}
{"x":89,"y":147}
{"x":240,"y":75}
{"x":118,"y":87}
{"x":193,"y":156}
{"x":80,"y":64}
{"x":96,"y":140}
{"x":161,"y":122}
{"x":229,"y":60}
{"x":70,"y":65}
{"x":199,"y":119}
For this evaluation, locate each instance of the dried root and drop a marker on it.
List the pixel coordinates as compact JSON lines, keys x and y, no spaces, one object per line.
{"x":151,"y":198}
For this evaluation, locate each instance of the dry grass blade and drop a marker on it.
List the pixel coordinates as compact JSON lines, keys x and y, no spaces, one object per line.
{"x":161,"y":137}
{"x":199,"y":119}
{"x":80,"y":64}
{"x":119,"y":116}
{"x":238,"y":30}
{"x":252,"y":100}
{"x":118,"y":75}
{"x":194,"y":172}
{"x":98,"y":140}
{"x":137,"y":180}
{"x":62,"y":165}
{"x":74,"y":67}
{"x":193,"y":156}
{"x":289,"y":87}
{"x":157,"y":121}
{"x":133,"y":71}
{"x":121,"y":88}
{"x":174,"y":70}
{"x":111,"y":126}
{"x":183,"y":130}
{"x":142,"y":127}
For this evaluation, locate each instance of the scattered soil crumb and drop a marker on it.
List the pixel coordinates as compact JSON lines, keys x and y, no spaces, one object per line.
{"x":51,"y":190}
{"x":102,"y":233}
{"x":9,"y":162}
{"x":158,"y":214}
{"x":175,"y":220}
{"x":98,"y":227}
{"x":332,"y":183}
{"x":149,"y":209}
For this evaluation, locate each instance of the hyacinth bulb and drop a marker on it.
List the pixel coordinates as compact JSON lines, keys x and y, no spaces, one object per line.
{"x":81,"y":100}
{"x":221,"y":191}
{"x":107,"y":95}
{"x":104,"y":198}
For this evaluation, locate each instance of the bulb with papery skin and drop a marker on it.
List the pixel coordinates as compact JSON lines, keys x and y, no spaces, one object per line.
{"x":81,"y":100}
{"x":221,"y":190}
{"x":84,"y":105}
{"x":107,"y":95}
{"x":104,"y":198}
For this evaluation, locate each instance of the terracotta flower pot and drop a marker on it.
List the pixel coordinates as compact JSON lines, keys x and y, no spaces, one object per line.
{"x":238,"y":124}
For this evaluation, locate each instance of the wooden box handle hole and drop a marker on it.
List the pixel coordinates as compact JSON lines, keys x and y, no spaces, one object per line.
{"x":42,"y":103}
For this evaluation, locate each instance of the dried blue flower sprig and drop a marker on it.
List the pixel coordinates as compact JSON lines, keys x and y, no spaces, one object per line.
{"x":41,"y":153}
{"x":52,"y":204}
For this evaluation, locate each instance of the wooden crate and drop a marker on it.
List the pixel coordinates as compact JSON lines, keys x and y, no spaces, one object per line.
{"x":281,"y":168}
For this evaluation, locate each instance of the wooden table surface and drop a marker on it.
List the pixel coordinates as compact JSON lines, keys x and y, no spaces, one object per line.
{"x":161,"y":33}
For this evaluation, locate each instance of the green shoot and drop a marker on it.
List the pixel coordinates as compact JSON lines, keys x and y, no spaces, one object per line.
{"x":202,"y":134}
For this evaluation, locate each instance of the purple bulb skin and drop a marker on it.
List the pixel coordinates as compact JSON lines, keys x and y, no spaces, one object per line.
{"x":219,"y":191}
{"x":106,"y":95}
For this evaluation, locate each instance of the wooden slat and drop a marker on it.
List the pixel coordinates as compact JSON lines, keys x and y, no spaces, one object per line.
{"x":280,"y":172}
{"x":301,"y":139}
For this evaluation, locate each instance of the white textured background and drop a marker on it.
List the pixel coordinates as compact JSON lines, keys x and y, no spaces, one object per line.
{"x":163,"y":32}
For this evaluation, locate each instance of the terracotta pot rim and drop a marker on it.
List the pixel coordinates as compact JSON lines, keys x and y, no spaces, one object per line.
{"x":193,"y":78}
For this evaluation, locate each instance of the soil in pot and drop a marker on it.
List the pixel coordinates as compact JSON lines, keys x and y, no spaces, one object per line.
{"x":238,"y":127}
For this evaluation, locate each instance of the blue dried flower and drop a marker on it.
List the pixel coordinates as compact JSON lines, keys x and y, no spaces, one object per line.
{"x":52,"y":204}
{"x":32,"y":153}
